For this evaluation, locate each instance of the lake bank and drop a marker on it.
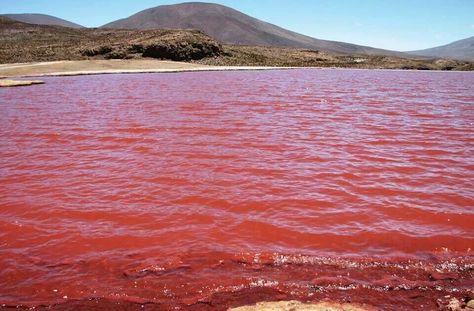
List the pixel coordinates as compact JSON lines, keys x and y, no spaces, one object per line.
{"x":129,"y":66}
{"x":87,"y":67}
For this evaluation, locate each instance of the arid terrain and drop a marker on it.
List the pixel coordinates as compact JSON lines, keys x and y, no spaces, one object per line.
{"x":461,"y":49}
{"x":236,"y":55}
{"x":21,"y":42}
{"x":230,"y":26}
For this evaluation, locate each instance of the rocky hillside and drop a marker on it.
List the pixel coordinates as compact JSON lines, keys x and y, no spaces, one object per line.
{"x":42,"y":19}
{"x":233,"y":27}
{"x":237,"y":55}
{"x":20,"y":42}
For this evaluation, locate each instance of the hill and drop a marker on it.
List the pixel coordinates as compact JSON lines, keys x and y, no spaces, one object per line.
{"x":462,"y":50}
{"x":233,"y":27}
{"x":41,"y":19}
{"x":21,"y":42}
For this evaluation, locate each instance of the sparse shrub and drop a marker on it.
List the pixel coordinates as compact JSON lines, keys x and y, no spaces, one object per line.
{"x":97,"y":51}
{"x":116,"y":55}
{"x":136,"y":48}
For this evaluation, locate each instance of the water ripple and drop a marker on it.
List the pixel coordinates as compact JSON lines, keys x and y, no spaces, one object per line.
{"x":306,"y":161}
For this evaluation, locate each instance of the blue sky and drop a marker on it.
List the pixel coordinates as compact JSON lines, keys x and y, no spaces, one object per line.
{"x":391,"y":24}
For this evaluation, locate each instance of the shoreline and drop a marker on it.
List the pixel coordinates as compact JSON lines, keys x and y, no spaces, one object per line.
{"x":135,"y":66}
{"x":95,"y":67}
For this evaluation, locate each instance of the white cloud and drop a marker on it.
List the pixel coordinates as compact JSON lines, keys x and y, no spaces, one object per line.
{"x":358,"y":24}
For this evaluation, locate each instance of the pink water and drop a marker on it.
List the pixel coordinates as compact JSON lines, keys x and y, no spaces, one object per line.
{"x":187,"y":190}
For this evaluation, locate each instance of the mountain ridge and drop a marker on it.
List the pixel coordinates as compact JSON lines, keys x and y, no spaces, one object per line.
{"x":234,"y":27}
{"x":461,"y":49}
{"x":42,"y":19}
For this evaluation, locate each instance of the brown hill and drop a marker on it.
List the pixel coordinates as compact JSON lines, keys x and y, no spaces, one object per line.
{"x":42,"y":19}
{"x":21,"y":42}
{"x":233,"y":27}
{"x":462,"y":50}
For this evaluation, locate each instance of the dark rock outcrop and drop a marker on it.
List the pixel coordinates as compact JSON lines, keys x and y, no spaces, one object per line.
{"x":183,"y":51}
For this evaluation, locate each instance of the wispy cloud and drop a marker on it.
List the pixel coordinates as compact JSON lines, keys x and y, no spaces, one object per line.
{"x":472,"y":26}
{"x":358,"y":24}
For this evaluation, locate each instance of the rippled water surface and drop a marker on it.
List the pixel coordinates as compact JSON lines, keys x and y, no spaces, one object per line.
{"x":150,"y":187}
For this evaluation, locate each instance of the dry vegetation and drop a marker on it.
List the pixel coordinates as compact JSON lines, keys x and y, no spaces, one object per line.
{"x":20,"y":42}
{"x":288,"y":57}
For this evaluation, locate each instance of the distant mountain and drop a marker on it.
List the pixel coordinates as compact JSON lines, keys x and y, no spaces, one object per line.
{"x":461,"y":50}
{"x":233,"y":27}
{"x":42,"y":19}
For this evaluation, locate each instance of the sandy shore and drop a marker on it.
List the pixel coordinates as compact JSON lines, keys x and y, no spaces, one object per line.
{"x":84,"y":67}
{"x":299,"y":306}
{"x":11,"y":83}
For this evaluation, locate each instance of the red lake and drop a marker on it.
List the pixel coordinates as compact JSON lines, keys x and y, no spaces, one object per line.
{"x":210,"y":190}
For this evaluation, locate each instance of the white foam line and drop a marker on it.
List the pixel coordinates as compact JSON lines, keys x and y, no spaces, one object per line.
{"x":162,"y":70}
